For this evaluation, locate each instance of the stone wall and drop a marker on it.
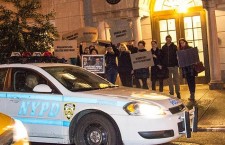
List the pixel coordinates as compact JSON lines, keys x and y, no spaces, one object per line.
{"x":103,"y":12}
{"x":69,"y":14}
{"x":72,"y":14}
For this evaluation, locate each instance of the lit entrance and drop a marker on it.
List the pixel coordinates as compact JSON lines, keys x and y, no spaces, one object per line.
{"x":170,"y":17}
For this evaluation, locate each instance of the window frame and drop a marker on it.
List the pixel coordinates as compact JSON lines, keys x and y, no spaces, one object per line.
{"x":4,"y":82}
{"x":55,"y":90}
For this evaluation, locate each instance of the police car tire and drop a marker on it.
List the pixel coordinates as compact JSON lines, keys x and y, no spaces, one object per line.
{"x":88,"y":123}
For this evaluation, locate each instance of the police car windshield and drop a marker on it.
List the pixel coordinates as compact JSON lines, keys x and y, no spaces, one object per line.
{"x":77,"y":79}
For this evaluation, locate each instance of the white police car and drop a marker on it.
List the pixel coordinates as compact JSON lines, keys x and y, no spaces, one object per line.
{"x":72,"y":105}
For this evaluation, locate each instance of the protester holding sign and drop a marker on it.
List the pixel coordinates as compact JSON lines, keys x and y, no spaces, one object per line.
{"x":93,"y":51}
{"x":158,"y":72}
{"x":188,"y":71}
{"x":86,"y":51}
{"x":125,"y":66}
{"x":111,"y":66}
{"x":142,"y":73}
{"x":169,"y":60}
{"x":132,"y":49}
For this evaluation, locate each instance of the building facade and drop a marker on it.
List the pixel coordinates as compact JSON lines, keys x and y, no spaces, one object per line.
{"x":198,"y":21}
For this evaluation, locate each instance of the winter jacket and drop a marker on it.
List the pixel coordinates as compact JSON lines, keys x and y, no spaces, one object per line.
{"x":169,"y":55}
{"x":110,"y":59}
{"x":132,"y":49}
{"x":157,"y":61}
{"x":124,"y":62}
{"x":142,"y":72}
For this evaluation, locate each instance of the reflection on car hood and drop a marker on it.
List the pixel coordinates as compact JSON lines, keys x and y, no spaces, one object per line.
{"x":134,"y":94}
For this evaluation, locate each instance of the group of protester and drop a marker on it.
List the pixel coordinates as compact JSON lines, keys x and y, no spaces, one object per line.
{"x":165,"y":65}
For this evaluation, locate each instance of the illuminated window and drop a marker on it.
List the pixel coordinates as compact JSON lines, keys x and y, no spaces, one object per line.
{"x":167,"y":27}
{"x":161,"y":5}
{"x":193,"y":34}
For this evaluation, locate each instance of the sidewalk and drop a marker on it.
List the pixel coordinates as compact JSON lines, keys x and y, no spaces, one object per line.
{"x":211,"y":105}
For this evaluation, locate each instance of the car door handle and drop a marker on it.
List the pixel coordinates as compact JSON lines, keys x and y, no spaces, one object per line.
{"x":14,"y":100}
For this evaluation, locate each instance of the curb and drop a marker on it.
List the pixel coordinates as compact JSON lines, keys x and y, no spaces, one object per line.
{"x":184,"y":143}
{"x":211,"y":129}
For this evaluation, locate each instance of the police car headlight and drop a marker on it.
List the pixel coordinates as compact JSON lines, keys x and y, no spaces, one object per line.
{"x":19,"y":131}
{"x":143,"y":109}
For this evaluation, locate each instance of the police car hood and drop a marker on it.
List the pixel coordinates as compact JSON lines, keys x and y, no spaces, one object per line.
{"x":133,"y":94}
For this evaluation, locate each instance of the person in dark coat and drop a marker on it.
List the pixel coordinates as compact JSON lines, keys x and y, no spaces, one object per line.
{"x":110,"y":60}
{"x":156,"y":54}
{"x":133,"y":49}
{"x":169,"y":60}
{"x":94,"y":51}
{"x":188,"y":72}
{"x":142,"y":73}
{"x":125,"y":66}
{"x":86,"y":51}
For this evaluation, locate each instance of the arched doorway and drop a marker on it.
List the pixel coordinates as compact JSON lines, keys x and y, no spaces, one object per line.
{"x":182,"y":19}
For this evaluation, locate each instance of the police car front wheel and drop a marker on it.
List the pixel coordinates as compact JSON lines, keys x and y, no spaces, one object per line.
{"x":94,"y":129}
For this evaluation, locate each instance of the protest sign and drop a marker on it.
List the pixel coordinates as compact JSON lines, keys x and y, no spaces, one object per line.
{"x":121,"y":35}
{"x":142,"y":59}
{"x":187,"y":57}
{"x":85,"y":34}
{"x":94,"y":63}
{"x":120,"y":31}
{"x":65,"y":49}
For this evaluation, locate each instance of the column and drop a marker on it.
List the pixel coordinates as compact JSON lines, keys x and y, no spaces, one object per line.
{"x":214,"y":59}
{"x":101,"y":30}
{"x":136,"y":21}
{"x":87,"y":6}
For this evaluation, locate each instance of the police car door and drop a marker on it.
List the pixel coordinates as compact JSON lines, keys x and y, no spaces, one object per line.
{"x":40,"y":112}
{"x":3,"y":88}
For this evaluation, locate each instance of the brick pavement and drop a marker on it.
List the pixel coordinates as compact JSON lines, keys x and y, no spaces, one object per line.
{"x":211,"y":104}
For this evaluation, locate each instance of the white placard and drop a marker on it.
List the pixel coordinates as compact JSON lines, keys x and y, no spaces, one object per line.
{"x":141,"y":60}
{"x":65,"y":49}
{"x":85,"y":34}
{"x":120,"y":31}
{"x":121,"y":35}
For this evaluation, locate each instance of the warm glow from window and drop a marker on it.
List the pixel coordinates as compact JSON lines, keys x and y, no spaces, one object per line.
{"x":179,"y":5}
{"x":182,"y":9}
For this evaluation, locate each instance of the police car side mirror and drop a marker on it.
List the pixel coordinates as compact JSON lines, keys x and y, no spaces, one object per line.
{"x":42,"y":88}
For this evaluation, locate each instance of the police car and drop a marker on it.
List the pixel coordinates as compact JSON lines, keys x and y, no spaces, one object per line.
{"x":70,"y":105}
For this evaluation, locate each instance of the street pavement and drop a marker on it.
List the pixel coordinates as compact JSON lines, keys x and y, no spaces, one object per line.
{"x":211,"y":116}
{"x":211,"y":105}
